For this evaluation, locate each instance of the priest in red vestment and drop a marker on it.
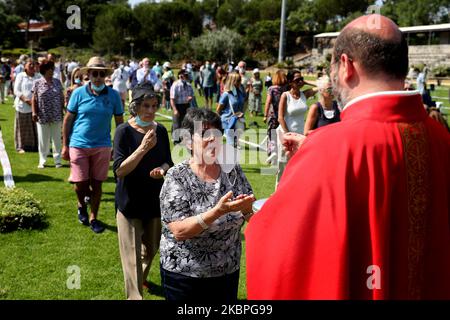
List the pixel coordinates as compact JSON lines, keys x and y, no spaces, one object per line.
{"x":362,"y":210}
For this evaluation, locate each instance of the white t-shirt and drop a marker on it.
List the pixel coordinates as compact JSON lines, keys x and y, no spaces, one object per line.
{"x":119,"y":79}
{"x":22,"y":87}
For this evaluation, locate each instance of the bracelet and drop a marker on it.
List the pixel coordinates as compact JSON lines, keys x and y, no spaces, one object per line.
{"x":201,"y":222}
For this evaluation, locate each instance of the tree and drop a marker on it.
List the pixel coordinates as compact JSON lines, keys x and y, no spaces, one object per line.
{"x":228,"y":12}
{"x":305,"y":18}
{"x":222,"y":45}
{"x":8,"y":27}
{"x":27,"y":10}
{"x":263,"y":36}
{"x":56,"y":13}
{"x":412,"y":13}
{"x":112,"y":27}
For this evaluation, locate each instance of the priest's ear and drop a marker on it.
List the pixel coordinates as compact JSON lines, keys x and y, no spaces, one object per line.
{"x":347,"y":67}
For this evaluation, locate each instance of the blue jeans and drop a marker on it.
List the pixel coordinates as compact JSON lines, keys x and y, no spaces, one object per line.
{"x":178,"y":287}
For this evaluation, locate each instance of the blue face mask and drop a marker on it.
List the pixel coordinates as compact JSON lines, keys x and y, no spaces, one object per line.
{"x":141,"y":123}
{"x":97,"y":89}
{"x":77,"y":81}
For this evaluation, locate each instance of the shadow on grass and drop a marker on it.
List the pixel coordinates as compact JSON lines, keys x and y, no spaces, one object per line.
{"x":110,"y":179}
{"x":108,"y":199}
{"x":109,"y":227}
{"x":251,"y":170}
{"x":155,"y":289}
{"x":33,"y":177}
{"x":29,"y":226}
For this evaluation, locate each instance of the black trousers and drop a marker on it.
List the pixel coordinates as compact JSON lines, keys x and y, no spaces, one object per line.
{"x":178,"y":287}
{"x":178,"y":120}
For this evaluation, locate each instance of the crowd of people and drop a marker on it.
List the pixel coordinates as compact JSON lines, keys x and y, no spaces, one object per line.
{"x":338,"y":208}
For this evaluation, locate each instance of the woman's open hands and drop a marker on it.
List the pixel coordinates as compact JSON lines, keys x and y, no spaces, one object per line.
{"x":241,"y":203}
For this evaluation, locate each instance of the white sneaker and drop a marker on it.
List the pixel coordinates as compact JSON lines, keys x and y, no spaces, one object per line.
{"x":41,"y":166}
{"x":58,"y":165}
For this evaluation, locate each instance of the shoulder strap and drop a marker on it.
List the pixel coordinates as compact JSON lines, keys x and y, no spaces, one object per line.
{"x":229,"y":103}
{"x":319,"y":109}
{"x":288,"y":97}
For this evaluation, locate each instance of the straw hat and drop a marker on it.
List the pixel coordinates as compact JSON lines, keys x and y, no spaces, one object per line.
{"x":96,"y":63}
{"x":4,"y":60}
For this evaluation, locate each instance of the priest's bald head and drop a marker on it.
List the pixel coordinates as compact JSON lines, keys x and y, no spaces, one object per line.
{"x":370,"y":55}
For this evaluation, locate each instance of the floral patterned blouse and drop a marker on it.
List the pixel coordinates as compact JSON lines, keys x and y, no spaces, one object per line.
{"x":216,"y":251}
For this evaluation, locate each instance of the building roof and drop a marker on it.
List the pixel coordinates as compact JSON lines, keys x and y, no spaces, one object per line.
{"x":415,"y":29}
{"x":35,"y":26}
{"x":431,"y":28}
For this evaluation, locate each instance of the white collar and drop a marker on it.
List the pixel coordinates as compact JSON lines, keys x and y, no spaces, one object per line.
{"x":381,"y":93}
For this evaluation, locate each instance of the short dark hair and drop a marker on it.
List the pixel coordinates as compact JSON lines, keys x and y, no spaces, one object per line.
{"x":375,"y":54}
{"x":182,"y":72}
{"x":205,"y":116}
{"x":45,"y":66}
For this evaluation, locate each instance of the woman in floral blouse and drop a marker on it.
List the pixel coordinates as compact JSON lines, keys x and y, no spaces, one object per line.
{"x":202,"y":210}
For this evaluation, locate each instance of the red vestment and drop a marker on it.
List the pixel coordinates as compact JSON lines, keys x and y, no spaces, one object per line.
{"x":362,"y":210}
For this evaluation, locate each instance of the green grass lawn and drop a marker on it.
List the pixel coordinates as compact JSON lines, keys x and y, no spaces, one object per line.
{"x":34,"y":264}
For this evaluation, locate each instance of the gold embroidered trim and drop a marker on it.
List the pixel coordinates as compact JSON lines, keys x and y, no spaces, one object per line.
{"x":418,"y":187}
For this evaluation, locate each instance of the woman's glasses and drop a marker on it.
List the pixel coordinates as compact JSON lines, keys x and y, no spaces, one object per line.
{"x":100,"y":74}
{"x":209,"y":133}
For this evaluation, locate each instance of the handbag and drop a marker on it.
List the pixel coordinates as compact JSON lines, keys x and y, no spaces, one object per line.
{"x":230,"y":123}
{"x":238,"y":115}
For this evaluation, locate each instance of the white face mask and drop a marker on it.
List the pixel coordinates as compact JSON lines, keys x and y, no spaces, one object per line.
{"x":228,"y":157}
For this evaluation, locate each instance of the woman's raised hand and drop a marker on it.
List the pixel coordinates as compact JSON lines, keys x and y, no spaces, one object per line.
{"x":149,"y":141}
{"x":240,"y":203}
{"x":292,"y":142}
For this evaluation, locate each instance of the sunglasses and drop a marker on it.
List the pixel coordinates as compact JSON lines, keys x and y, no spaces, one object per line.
{"x":299,"y":80}
{"x":100,"y":74}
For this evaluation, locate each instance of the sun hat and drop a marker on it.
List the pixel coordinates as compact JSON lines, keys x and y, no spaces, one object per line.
{"x":96,"y":63}
{"x":142,"y":90}
{"x":256,"y":70}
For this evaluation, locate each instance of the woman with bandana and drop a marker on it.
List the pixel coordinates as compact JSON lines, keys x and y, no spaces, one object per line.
{"x":141,"y":159}
{"x":203,"y":207}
